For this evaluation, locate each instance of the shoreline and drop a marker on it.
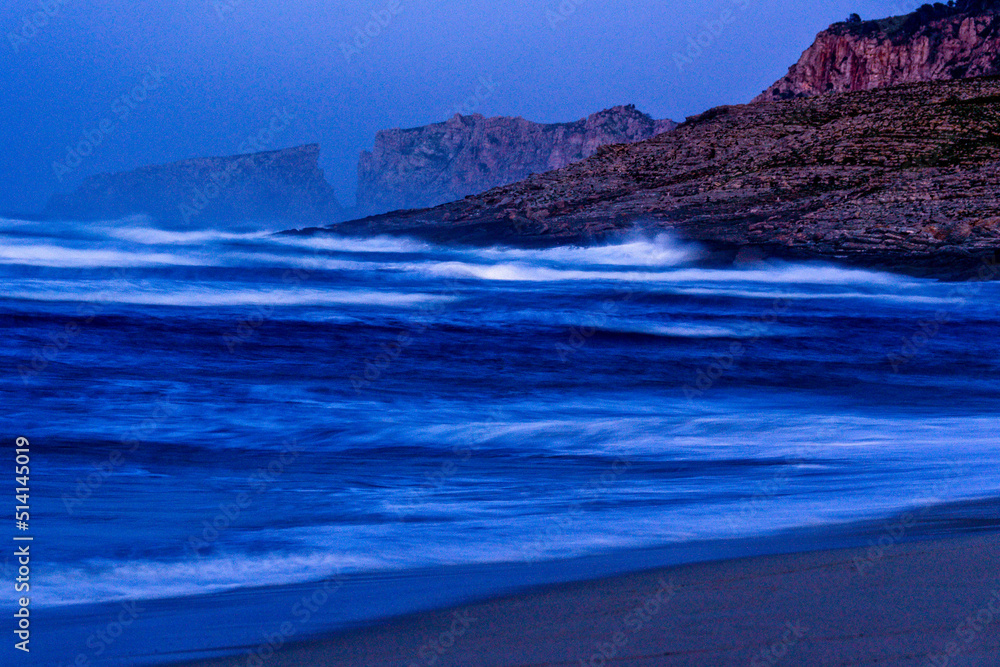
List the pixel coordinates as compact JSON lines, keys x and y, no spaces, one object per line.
{"x":810,"y":608}
{"x":886,"y":592}
{"x":355,"y":613}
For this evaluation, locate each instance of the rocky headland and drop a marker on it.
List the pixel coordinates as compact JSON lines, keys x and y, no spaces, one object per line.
{"x":881,"y":147}
{"x":466,"y":155}
{"x":903,"y":177}
{"x":284,"y":185}
{"x":935,"y":43}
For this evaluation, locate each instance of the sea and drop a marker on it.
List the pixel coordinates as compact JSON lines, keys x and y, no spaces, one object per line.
{"x":225,"y":422}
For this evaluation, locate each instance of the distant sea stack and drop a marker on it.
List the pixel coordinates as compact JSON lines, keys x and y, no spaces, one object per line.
{"x":282,"y":185}
{"x":466,"y":155}
{"x":935,"y":43}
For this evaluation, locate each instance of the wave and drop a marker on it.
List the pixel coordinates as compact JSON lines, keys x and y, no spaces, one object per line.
{"x":108,"y":581}
{"x":791,"y":296}
{"x":152,"y":236}
{"x":73,"y":229}
{"x":662,"y":326}
{"x":376,"y":244}
{"x":777,"y":274}
{"x":203,"y":297}
{"x":690,"y":330}
{"x":318,"y":263}
{"x":56,"y":256}
{"x":663,"y":250}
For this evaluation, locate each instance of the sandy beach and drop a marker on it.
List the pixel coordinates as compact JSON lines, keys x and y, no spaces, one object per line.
{"x":929,"y":603}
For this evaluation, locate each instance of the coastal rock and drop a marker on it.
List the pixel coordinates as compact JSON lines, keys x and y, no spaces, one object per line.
{"x":935,"y":43}
{"x":903,"y":177}
{"x":467,"y":155}
{"x":285,"y":185}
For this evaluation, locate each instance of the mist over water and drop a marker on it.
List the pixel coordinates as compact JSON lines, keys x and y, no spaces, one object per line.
{"x":255,"y":409}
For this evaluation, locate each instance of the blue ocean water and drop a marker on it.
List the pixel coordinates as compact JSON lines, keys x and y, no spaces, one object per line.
{"x":216,"y":411}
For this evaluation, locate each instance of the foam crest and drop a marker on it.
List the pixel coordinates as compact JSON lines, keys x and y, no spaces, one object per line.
{"x":777,"y":275}
{"x":688,"y":330}
{"x":377,"y":244}
{"x":107,"y":581}
{"x":208,"y":297}
{"x":660,"y":251}
{"x":56,"y":256}
{"x":152,"y":236}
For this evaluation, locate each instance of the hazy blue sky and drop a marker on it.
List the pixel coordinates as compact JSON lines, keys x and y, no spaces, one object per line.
{"x":226,"y":66}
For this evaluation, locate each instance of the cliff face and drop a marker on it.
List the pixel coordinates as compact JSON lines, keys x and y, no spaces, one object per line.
{"x":285,"y":185}
{"x":901,"y":177}
{"x":928,"y":45}
{"x":469,"y":154}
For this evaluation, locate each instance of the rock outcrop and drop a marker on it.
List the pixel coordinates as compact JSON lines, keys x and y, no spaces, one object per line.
{"x":903,"y":177}
{"x":467,"y":155}
{"x":282,"y":185}
{"x":934,"y":43}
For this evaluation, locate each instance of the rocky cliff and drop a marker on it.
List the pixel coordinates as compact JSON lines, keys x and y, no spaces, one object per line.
{"x":935,"y":43}
{"x":285,"y":185}
{"x":470,"y":154}
{"x":903,"y":177}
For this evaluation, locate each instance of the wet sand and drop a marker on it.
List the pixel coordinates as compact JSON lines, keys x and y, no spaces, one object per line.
{"x":929,"y":603}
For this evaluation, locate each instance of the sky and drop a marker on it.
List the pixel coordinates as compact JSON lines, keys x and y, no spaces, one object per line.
{"x":155,"y":81}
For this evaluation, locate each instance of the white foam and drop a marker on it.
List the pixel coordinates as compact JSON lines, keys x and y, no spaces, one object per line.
{"x":63,"y":257}
{"x":686,"y":330}
{"x":106,"y":581}
{"x":376,"y":244}
{"x":661,"y":251}
{"x":791,"y":296}
{"x":319,"y":263}
{"x":202,"y":297}
{"x":816,"y":274}
{"x":780,"y":274}
{"x":152,"y":236}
